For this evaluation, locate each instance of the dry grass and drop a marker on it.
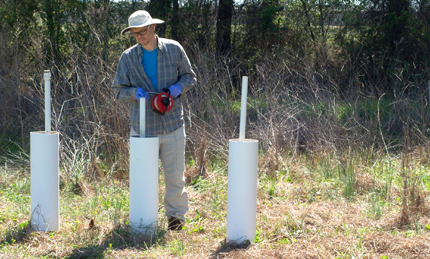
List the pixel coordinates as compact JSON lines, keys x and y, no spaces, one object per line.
{"x":303,"y":216}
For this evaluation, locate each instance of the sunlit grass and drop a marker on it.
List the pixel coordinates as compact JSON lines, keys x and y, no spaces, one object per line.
{"x":332,"y":211}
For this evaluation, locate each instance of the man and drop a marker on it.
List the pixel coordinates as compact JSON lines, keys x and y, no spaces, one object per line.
{"x":144,"y":70}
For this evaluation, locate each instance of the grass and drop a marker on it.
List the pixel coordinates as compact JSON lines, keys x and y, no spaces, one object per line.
{"x":310,"y":208}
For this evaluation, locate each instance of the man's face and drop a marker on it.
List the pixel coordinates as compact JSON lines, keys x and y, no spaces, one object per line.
{"x":144,"y":35}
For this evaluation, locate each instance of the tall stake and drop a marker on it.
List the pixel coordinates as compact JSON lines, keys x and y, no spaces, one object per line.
{"x":47,"y":77}
{"x":142,"y":123}
{"x":243,"y":108}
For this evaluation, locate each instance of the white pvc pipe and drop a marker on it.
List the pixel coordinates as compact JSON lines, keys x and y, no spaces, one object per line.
{"x":142,"y":122}
{"x":44,"y":167}
{"x":243,"y":108}
{"x":144,"y":184}
{"x":47,"y":78}
{"x":242,"y":190}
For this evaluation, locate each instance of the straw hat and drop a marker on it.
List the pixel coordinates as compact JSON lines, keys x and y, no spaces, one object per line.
{"x":140,"y":19}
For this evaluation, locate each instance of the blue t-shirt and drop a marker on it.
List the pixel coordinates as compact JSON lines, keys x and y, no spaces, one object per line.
{"x":149,"y":63}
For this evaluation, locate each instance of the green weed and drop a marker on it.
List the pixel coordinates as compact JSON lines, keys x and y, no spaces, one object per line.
{"x":376,"y":205}
{"x":349,"y":185}
{"x":177,"y":247}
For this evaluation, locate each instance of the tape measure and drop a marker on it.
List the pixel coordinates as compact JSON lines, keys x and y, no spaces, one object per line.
{"x":162,"y":102}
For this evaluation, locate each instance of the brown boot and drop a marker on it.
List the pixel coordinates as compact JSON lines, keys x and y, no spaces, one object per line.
{"x":174,"y":224}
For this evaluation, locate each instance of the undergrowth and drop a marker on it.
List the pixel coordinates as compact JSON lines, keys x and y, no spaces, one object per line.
{"x":311,"y":206}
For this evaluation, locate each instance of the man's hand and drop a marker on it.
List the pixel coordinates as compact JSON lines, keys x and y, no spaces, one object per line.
{"x":175,"y":90}
{"x":140,"y":93}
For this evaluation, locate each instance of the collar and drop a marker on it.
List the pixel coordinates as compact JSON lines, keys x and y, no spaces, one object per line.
{"x":160,"y":46}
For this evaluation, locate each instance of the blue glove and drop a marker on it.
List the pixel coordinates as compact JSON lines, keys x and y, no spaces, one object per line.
{"x":175,"y":90}
{"x":140,"y":93}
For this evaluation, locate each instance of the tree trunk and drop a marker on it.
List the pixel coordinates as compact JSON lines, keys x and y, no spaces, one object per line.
{"x":223,"y":28}
{"x":175,"y":20}
{"x":160,"y":9}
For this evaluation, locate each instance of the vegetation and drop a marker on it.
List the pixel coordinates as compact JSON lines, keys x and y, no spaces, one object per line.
{"x":312,"y":206}
{"x":338,"y":100}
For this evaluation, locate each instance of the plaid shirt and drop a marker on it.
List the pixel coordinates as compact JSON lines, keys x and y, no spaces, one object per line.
{"x":173,"y":68}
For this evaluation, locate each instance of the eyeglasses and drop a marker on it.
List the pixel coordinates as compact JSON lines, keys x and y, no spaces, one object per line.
{"x":142,"y":32}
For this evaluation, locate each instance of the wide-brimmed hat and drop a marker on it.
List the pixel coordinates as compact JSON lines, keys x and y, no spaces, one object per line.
{"x":139,"y":19}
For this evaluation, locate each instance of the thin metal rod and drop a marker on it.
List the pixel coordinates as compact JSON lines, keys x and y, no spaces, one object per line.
{"x":142,"y":117}
{"x":243,"y":108}
{"x":47,"y":77}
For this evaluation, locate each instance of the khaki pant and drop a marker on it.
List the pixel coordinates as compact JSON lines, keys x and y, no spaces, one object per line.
{"x":172,"y":156}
